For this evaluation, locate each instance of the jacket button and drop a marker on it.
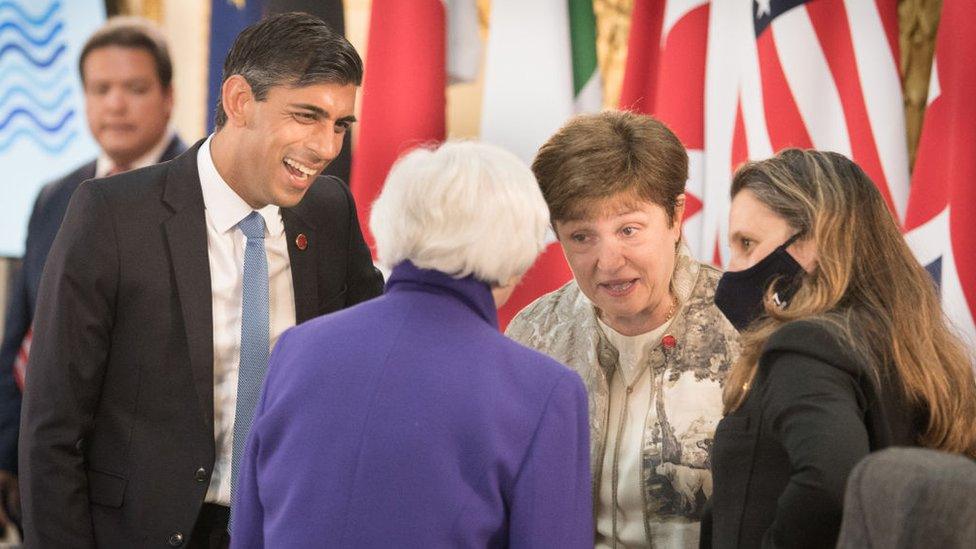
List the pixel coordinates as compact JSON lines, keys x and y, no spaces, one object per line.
{"x":200,"y":475}
{"x":176,"y":539}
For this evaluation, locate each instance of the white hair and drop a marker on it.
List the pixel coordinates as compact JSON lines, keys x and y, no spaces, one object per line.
{"x":462,"y":208}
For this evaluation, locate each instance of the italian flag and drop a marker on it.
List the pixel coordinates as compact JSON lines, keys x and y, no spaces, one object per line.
{"x":541,"y":70}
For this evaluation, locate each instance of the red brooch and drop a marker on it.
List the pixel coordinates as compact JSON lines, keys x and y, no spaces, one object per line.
{"x":669,"y":341}
{"x":301,"y":241}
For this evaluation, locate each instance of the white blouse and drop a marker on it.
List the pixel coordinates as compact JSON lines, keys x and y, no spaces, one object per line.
{"x":632,"y":372}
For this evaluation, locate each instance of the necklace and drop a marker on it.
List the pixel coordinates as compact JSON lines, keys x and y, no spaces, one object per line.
{"x":668,"y":341}
{"x":674,"y":305}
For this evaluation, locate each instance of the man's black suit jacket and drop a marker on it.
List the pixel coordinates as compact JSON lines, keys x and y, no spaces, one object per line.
{"x":43,"y":226}
{"x":117,"y":434}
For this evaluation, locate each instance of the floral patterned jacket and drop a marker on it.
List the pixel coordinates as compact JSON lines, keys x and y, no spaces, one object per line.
{"x":686,"y":394}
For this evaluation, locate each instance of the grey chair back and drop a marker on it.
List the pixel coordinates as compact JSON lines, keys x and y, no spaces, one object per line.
{"x":910,"y":497}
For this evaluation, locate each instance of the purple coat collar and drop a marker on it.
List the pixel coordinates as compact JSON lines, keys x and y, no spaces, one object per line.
{"x":472,"y":292}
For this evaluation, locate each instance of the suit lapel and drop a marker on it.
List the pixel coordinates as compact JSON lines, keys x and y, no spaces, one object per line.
{"x":304,"y":264}
{"x":186,"y":235}
{"x":174,"y":149}
{"x":88,"y":171}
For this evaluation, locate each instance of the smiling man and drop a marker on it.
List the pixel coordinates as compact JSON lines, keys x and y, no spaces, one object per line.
{"x":166,"y":289}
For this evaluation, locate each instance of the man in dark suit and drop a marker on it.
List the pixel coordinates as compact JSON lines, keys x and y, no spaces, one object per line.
{"x":127,"y":74}
{"x":166,"y":288}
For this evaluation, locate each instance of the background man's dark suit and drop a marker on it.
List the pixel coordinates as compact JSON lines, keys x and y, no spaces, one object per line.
{"x":123,"y":344}
{"x":45,"y":219}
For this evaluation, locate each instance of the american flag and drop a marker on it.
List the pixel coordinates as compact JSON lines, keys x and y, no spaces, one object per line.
{"x":941,"y":220}
{"x":770,"y":74}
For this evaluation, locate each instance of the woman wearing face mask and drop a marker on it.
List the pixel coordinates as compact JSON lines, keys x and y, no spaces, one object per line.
{"x":846,"y":352}
{"x":638,"y":322}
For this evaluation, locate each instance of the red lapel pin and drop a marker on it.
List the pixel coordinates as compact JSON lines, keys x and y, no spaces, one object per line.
{"x":301,"y":241}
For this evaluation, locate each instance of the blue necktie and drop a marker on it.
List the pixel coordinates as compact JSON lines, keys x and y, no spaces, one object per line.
{"x":254,"y":338}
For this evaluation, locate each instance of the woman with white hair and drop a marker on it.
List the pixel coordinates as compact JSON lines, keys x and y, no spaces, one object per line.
{"x":409,"y":420}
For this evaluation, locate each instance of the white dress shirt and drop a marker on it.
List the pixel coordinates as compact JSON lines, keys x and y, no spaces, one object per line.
{"x":632,"y":372}
{"x":104,"y":164}
{"x":225,"y":247}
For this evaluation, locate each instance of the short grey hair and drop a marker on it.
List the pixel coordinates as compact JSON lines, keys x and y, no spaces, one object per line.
{"x":463,"y":208}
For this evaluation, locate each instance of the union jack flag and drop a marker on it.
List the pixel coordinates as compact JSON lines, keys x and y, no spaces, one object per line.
{"x":741,"y":79}
{"x":941,"y":221}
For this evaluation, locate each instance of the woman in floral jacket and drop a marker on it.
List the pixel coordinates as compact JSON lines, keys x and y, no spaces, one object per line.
{"x":638,"y":323}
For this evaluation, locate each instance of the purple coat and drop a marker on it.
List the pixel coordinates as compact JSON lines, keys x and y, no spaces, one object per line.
{"x":410,"y":421}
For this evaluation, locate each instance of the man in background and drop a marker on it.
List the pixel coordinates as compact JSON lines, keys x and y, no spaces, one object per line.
{"x":127,"y":77}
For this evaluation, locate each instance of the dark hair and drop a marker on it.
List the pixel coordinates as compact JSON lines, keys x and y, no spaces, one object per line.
{"x":598,"y":156}
{"x":131,"y":32}
{"x":293,"y":49}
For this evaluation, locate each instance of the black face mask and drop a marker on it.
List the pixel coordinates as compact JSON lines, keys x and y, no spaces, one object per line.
{"x":740,"y":294}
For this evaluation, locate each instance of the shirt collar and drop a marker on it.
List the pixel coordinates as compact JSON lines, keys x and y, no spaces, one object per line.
{"x":225,"y":206}
{"x":471,"y":291}
{"x":104,"y":164}
{"x":632,"y":351}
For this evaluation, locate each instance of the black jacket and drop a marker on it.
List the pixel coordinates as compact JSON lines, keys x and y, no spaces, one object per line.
{"x":780,"y":462}
{"x":45,"y":219}
{"x":117,"y":433}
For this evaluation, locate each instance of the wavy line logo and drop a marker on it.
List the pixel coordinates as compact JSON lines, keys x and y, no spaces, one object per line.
{"x":36,"y":83}
{"x":39,"y":40}
{"x":24,"y":15}
{"x":51,"y":104}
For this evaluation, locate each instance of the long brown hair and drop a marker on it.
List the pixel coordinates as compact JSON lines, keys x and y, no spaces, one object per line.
{"x":866,"y":279}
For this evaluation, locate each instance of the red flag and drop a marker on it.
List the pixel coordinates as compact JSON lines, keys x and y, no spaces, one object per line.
{"x":665,"y":77}
{"x":403,"y":92}
{"x":637,"y":92}
{"x":940,"y":222}
{"x":548,"y":273}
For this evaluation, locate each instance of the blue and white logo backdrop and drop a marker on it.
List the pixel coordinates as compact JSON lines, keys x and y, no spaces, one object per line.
{"x":43,"y":132}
